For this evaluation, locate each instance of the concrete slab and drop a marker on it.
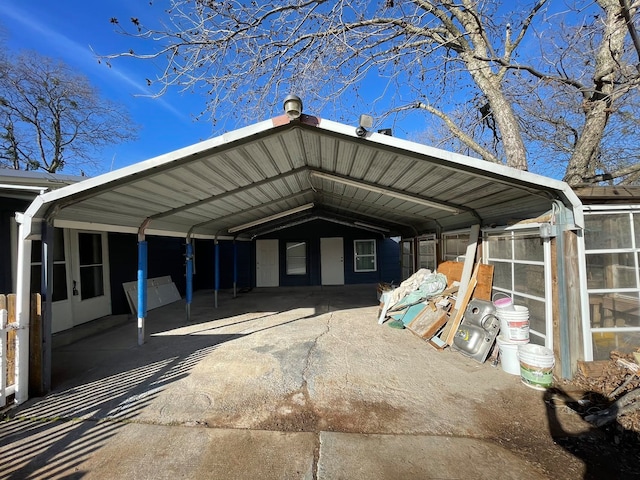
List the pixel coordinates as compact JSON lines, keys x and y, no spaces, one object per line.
{"x":298,"y":383}
{"x":417,"y":457}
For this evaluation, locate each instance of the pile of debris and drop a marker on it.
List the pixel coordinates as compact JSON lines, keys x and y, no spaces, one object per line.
{"x":450,"y":307}
{"x":616,"y":383}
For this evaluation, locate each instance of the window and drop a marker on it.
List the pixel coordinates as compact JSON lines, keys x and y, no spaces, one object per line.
{"x":407,"y":258}
{"x":91,"y":268}
{"x":365,"y":255}
{"x":519,"y":259}
{"x":296,"y":258}
{"x":612,"y":241}
{"x":427,"y":252}
{"x":455,"y":246}
{"x":59,"y":266}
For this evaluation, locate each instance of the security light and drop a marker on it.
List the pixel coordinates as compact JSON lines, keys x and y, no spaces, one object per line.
{"x":365,"y":122}
{"x":293,"y":106}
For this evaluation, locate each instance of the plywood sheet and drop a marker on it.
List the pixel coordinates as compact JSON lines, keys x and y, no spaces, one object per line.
{"x":427,"y":323}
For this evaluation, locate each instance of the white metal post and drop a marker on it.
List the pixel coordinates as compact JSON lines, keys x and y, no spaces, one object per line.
{"x":23,"y":302}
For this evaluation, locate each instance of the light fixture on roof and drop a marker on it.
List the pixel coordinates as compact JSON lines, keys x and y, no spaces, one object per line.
{"x":275,"y":216}
{"x":293,"y":106}
{"x":365,"y":122}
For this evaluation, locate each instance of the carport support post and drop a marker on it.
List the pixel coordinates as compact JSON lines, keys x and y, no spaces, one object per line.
{"x":217,"y":271}
{"x":142,"y":280}
{"x":189,"y":295}
{"x":235,"y":268}
{"x":23,"y":307}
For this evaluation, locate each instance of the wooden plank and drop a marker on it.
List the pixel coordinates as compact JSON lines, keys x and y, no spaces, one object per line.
{"x":451,"y":270}
{"x":461,"y":306}
{"x":469,"y":262}
{"x":485,"y":282}
{"x":594,"y":369}
{"x":428,"y":322}
{"x":36,"y":367}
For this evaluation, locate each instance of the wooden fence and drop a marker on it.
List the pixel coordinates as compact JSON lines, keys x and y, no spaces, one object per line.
{"x":8,"y":334}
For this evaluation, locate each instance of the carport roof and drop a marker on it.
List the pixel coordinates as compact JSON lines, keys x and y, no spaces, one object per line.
{"x":281,"y":172}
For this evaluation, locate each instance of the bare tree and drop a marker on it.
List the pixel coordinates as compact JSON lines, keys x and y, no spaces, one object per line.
{"x":489,"y":71}
{"x":52,"y":118}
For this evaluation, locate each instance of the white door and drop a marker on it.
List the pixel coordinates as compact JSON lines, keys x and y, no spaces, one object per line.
{"x":90,"y":289}
{"x":267,"y":269}
{"x":332,"y":261}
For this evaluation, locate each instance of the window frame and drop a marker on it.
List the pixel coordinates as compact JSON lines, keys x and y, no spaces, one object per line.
{"x":356,"y":256}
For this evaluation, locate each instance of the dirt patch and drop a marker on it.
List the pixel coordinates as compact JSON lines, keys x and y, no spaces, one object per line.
{"x":547,"y":428}
{"x":298,"y":414}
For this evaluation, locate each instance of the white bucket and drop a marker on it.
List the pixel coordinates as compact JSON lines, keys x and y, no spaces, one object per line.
{"x":536,"y":366}
{"x":508,"y":355}
{"x":515,"y":324}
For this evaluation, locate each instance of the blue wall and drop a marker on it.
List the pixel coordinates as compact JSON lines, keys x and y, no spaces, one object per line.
{"x":388,"y":253}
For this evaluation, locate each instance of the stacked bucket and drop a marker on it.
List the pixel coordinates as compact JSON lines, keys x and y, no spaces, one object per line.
{"x":533,"y":363}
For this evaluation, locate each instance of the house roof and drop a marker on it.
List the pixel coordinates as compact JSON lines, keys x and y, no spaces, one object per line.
{"x":279,"y":172}
{"x":26,"y":185}
{"x":625,"y":194}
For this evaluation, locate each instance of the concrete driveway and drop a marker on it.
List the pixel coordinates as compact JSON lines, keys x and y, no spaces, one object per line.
{"x":276,"y":384}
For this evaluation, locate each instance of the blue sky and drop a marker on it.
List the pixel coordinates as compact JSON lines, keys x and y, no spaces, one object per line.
{"x":72,"y":30}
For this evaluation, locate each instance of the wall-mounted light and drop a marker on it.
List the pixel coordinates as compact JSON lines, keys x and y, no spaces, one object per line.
{"x":293,"y":106}
{"x":365,"y":122}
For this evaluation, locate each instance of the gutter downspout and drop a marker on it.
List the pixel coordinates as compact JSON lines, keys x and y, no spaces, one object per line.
{"x":142,"y":279}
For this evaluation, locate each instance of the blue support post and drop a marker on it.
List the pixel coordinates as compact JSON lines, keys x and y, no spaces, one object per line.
{"x":142,"y":288}
{"x":217,"y":271}
{"x":189,"y":294}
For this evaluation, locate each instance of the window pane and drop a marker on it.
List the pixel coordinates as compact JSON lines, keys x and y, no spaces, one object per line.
{"x":90,"y":245}
{"x":365,"y":247}
{"x":59,"y":282}
{"x":91,"y":281}
{"x":296,"y":258}
{"x":636,"y":228}
{"x":605,"y":342}
{"x":528,"y":248}
{"x":58,"y":245}
{"x":365,"y":263}
{"x":502,"y":275}
{"x":500,"y":247}
{"x":529,"y":279}
{"x":611,"y":270}
{"x":607,"y":231}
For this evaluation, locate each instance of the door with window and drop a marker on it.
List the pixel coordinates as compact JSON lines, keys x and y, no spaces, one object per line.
{"x":90,"y":291}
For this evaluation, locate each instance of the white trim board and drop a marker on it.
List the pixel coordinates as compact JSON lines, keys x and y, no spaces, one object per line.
{"x":161,"y":291}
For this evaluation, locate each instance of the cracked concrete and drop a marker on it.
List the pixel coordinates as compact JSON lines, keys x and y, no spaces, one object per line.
{"x":299,"y":384}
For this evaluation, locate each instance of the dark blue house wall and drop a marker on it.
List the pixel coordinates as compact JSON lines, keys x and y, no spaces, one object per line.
{"x":8,"y":209}
{"x":388,"y":253}
{"x":165,"y":257}
{"x":205,"y":264}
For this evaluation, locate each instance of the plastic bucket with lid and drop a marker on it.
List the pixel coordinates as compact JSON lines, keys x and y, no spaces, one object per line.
{"x":508,"y":355}
{"x":536,"y":366}
{"x":514,"y":324}
{"x":502,"y":303}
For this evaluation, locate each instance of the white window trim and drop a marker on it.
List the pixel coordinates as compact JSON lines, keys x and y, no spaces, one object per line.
{"x":374,"y":255}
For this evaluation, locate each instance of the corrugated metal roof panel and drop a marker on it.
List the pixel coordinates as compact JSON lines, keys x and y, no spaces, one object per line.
{"x":269,"y":169}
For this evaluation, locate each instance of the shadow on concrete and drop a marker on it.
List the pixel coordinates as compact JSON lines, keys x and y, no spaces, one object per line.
{"x":607,"y":451}
{"x":104,"y":380}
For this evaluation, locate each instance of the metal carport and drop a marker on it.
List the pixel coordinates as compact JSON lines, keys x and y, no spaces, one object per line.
{"x":281,"y":171}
